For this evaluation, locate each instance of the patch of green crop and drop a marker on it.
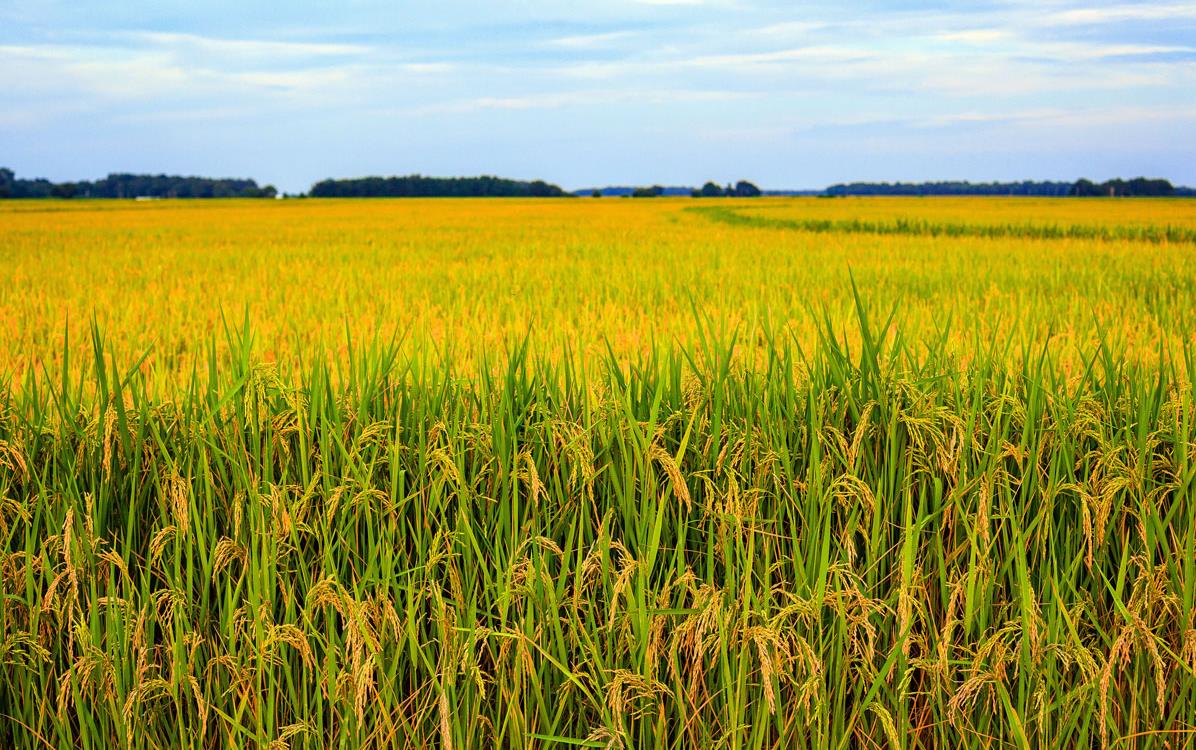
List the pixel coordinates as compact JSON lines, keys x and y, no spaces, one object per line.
{"x":883,"y":544}
{"x":917,"y":227}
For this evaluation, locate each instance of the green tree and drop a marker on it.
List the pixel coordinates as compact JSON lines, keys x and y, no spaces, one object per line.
{"x":64,"y":190}
{"x":412,"y":186}
{"x":745,"y":189}
{"x":647,"y":192}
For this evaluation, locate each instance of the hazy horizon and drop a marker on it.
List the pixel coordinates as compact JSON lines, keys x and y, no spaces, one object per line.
{"x":670,"y":92}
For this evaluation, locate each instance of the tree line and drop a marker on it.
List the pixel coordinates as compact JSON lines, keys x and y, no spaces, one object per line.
{"x":741,"y":189}
{"x":1137,"y":187}
{"x":123,"y":185}
{"x":418,"y":186}
{"x":169,"y":186}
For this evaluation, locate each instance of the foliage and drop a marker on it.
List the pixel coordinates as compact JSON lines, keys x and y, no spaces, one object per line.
{"x":741,"y":189}
{"x":134,"y":186}
{"x":647,"y":192}
{"x":1027,"y":187}
{"x":1139,"y":186}
{"x":415,"y":186}
{"x":1117,"y":188}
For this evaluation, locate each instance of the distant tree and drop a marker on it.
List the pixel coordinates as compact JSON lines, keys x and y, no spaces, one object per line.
{"x":251,"y":191}
{"x":952,"y":188}
{"x":1148,"y":187}
{"x":647,"y":192}
{"x":1139,"y":187}
{"x":711,"y":190}
{"x":38,"y":188}
{"x":123,"y":185}
{"x":413,"y":186}
{"x":595,"y":193}
{"x":745,"y":189}
{"x":130,"y":186}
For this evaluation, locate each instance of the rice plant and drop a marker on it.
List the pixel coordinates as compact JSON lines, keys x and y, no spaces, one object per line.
{"x":829,"y":526}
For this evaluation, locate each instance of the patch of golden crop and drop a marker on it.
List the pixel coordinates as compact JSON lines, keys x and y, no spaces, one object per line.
{"x":474,"y":275}
{"x":987,"y":210}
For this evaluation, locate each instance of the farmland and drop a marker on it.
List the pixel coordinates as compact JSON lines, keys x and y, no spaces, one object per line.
{"x":605,"y":473}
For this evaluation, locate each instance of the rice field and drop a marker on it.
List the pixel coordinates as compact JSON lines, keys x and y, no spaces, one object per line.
{"x":858,"y":473}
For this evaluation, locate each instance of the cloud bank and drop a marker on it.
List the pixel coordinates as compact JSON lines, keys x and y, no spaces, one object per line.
{"x":662,"y":91}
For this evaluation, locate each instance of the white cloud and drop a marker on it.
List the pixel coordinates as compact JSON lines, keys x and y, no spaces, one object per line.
{"x":975,"y":36}
{"x":1017,"y":64}
{"x":561,"y":99}
{"x":1054,"y":119}
{"x":1121,"y":13}
{"x":818,"y":53}
{"x":164,"y":68}
{"x":56,"y":71}
{"x":590,"y":41}
{"x":429,"y":68}
{"x":786,"y":29}
{"x":1096,"y":51}
{"x":185,"y":115}
{"x":244,"y":48}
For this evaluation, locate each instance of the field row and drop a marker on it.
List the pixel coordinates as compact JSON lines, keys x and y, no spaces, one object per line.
{"x":921,"y":227}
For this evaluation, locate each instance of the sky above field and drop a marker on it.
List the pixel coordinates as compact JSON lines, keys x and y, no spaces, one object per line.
{"x":619,"y":92}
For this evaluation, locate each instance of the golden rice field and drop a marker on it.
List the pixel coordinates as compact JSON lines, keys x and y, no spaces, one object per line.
{"x":473,"y":275}
{"x":770,"y":473}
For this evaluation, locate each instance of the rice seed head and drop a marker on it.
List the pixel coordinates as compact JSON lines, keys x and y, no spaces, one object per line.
{"x":673,"y":472}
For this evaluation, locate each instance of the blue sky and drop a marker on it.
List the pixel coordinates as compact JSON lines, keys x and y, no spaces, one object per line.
{"x":789,"y":95}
